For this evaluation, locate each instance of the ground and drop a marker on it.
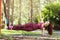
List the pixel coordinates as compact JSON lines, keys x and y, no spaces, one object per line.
{"x":24,"y":35}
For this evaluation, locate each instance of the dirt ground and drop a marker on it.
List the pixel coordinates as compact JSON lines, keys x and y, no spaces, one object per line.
{"x":30,"y":38}
{"x":55,"y":36}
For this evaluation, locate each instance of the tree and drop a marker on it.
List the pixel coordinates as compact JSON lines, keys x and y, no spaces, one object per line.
{"x":4,"y":3}
{"x":52,"y":12}
{"x":0,"y":16}
{"x":6,"y":9}
{"x":19,"y":21}
{"x":12,"y":6}
{"x":31,"y":11}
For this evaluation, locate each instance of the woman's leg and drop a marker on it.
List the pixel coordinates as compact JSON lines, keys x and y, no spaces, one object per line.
{"x":26,"y":27}
{"x":17,"y":27}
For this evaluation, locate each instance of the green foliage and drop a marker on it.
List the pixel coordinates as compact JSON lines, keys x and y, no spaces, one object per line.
{"x":21,"y":32}
{"x":52,"y":12}
{"x":37,"y":18}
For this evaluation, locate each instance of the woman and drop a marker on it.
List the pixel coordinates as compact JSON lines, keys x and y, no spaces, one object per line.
{"x":29,"y":26}
{"x":33,"y":26}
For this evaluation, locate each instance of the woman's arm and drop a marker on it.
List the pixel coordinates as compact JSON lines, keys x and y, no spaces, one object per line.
{"x":43,"y":29}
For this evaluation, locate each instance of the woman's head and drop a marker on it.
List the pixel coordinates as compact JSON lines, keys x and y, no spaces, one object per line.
{"x":46,"y":23}
{"x":48,"y":27}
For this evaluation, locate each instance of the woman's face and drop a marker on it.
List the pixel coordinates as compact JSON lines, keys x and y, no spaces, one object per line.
{"x":46,"y":23}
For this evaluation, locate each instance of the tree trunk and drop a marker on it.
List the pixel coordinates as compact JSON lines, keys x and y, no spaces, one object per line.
{"x":0,"y":17}
{"x":31,"y":11}
{"x":12,"y":12}
{"x":7,"y":10}
{"x":19,"y":21}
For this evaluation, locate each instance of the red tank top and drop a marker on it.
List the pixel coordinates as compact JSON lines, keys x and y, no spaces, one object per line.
{"x":40,"y":25}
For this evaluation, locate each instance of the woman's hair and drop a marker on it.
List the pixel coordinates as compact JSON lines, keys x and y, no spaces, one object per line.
{"x":49,"y":28}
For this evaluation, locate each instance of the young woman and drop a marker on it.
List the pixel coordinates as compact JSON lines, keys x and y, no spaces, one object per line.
{"x":33,"y":26}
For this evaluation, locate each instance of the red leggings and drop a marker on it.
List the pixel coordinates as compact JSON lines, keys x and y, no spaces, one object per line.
{"x":26,"y":27}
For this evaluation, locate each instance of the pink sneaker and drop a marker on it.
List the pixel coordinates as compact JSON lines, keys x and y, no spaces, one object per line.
{"x":10,"y":27}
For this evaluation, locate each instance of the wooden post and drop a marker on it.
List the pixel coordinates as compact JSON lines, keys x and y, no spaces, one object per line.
{"x":0,"y":17}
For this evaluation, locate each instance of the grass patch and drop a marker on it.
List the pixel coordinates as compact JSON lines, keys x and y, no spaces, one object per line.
{"x":31,"y":33}
{"x":4,"y":31}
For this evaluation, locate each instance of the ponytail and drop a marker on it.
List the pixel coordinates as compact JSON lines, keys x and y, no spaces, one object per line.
{"x":50,"y":29}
